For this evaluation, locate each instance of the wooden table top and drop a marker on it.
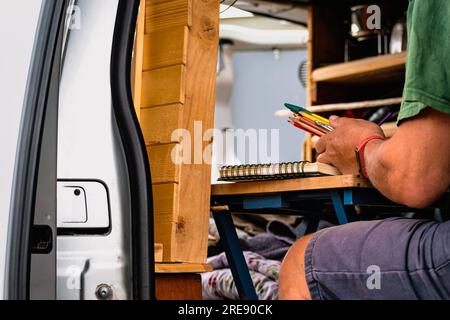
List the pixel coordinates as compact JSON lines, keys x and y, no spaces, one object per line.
{"x":301,"y":184}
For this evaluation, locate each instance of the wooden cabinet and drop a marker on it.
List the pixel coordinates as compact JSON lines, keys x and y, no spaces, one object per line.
{"x":336,"y":86}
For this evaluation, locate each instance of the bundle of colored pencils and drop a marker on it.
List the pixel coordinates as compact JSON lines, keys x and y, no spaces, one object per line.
{"x":308,"y":121}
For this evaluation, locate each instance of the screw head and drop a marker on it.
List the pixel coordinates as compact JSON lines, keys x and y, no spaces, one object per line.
{"x":104,"y":292}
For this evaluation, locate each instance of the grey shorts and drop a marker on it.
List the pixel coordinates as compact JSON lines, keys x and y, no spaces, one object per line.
{"x":388,"y":259}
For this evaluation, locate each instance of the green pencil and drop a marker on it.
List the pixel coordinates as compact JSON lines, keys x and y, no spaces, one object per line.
{"x":297,"y":109}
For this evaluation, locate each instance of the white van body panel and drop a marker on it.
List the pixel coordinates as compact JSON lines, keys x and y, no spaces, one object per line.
{"x":89,"y":153}
{"x":16,"y":42}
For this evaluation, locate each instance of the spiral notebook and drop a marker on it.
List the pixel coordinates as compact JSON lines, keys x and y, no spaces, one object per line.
{"x":275,"y":171}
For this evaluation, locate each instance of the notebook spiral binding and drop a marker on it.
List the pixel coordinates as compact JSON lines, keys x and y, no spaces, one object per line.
{"x":271,"y":171}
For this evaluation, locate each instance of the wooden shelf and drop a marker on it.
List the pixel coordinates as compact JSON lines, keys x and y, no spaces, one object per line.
{"x":335,"y":86}
{"x":364,"y":71}
{"x":355,"y":105}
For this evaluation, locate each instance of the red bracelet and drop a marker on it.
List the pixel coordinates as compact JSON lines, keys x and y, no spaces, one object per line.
{"x":360,"y":154}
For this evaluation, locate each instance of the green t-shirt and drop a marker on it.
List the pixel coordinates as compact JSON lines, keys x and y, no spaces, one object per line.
{"x":427,"y":82}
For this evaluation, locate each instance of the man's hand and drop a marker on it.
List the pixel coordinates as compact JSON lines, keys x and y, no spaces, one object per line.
{"x":338,"y":147}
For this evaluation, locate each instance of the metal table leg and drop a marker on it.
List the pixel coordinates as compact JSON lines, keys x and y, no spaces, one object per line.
{"x":233,"y":251}
{"x":339,"y":207}
{"x":309,"y":224}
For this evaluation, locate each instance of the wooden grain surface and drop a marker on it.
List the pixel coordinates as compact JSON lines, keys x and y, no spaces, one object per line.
{"x":163,"y":86}
{"x":182,"y":267}
{"x":166,"y":205}
{"x":159,"y":247}
{"x":322,"y":23}
{"x":159,"y":123}
{"x":183,"y":286}
{"x":301,"y":184}
{"x":161,"y":14}
{"x":165,"y":47}
{"x":372,"y":69}
{"x":179,"y":63}
{"x":195,"y":179}
{"x":164,"y":233}
{"x":163,"y":168}
{"x":138,"y":61}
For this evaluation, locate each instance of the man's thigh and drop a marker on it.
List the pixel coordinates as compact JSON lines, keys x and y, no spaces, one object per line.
{"x":388,"y":259}
{"x":292,"y":280}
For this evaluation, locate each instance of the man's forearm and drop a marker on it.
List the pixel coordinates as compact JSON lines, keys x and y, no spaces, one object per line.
{"x":380,"y":168}
{"x":401,"y":173}
{"x":411,"y":168}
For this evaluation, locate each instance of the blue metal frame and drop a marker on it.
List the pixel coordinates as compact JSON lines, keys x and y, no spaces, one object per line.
{"x":339,"y":207}
{"x":265,"y":201}
{"x":236,"y":260}
{"x":368,"y":197}
{"x":230,"y":241}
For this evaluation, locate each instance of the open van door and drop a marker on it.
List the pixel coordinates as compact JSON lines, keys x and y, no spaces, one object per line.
{"x":80,"y":219}
{"x":31,"y":232}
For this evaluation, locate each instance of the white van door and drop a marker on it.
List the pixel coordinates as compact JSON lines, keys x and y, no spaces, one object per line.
{"x":81,"y":213}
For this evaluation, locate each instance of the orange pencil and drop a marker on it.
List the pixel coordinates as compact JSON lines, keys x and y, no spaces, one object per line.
{"x":306,"y":128}
{"x":311,"y":124}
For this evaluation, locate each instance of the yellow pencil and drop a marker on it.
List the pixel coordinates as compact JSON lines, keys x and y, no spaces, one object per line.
{"x":314,"y":117}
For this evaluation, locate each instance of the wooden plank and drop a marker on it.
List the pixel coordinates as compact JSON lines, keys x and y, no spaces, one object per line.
{"x":164,"y":233}
{"x":326,"y":41}
{"x":307,"y":148}
{"x":163,"y":163}
{"x":314,"y":183}
{"x":138,"y":60}
{"x":181,"y":286}
{"x":175,"y":97}
{"x":182,"y":267}
{"x":165,"y":204}
{"x":195,"y":180}
{"x":163,"y":86}
{"x":162,"y":14}
{"x":159,"y":252}
{"x":367,"y":70}
{"x":311,"y":52}
{"x":165,"y":47}
{"x":158,"y":123}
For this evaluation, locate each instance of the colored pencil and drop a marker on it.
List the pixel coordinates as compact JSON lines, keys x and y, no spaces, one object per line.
{"x":306,"y":128}
{"x":324,"y":126}
{"x":308,"y":116}
{"x":310,"y":123}
{"x":314,"y":123}
{"x":388,"y":115}
{"x":297,"y":109}
{"x":310,"y":129}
